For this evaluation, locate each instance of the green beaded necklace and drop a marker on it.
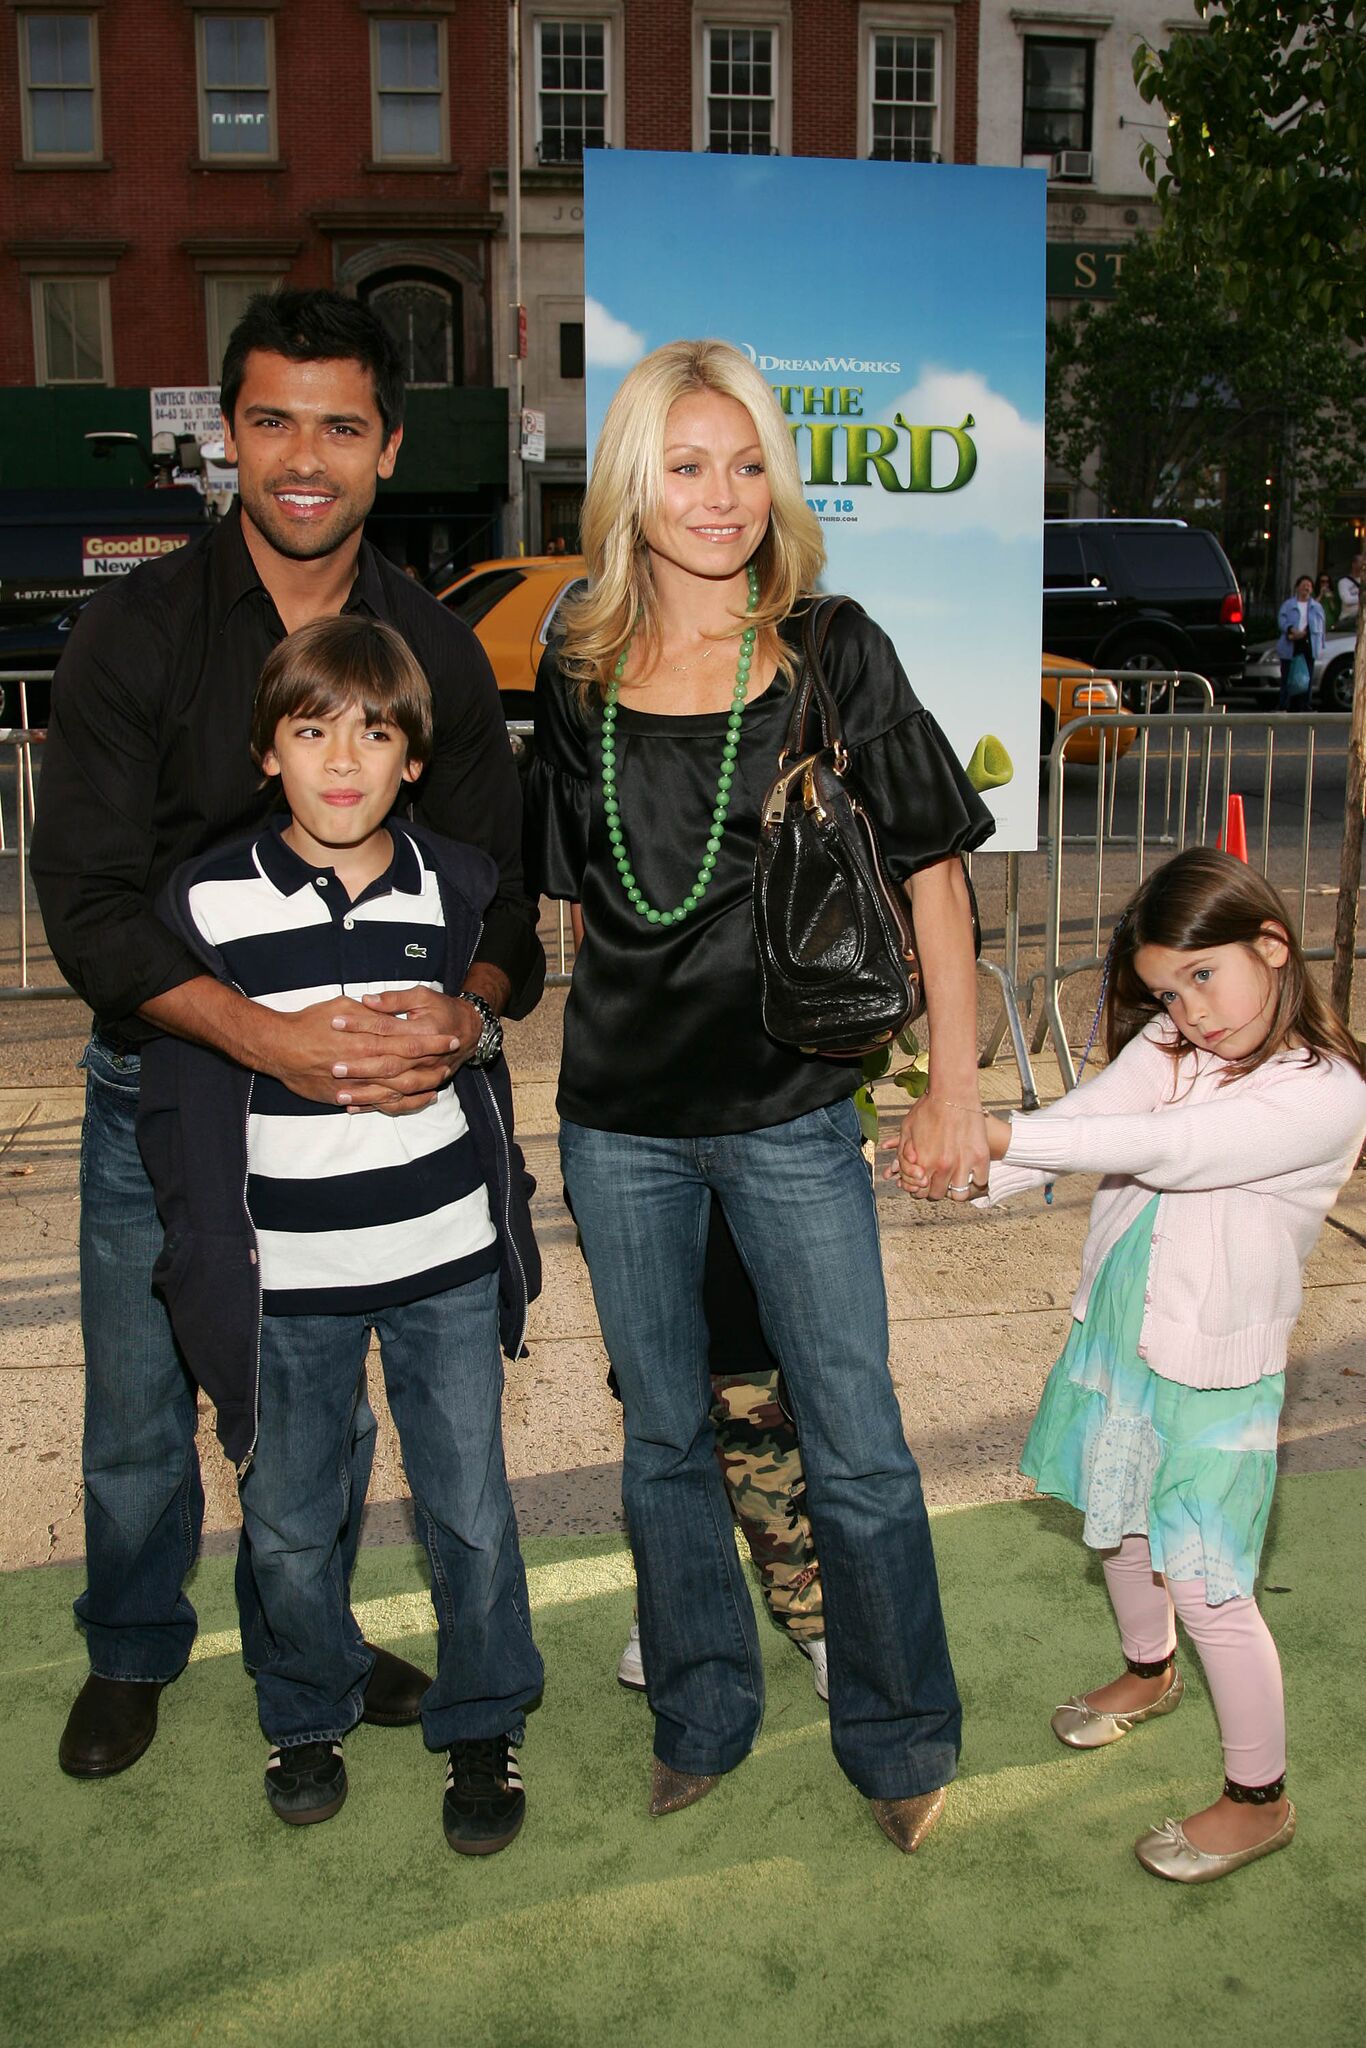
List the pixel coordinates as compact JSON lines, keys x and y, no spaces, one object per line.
{"x":617,"y":838}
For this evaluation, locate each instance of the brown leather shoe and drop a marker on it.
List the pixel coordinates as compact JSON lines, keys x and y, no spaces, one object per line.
{"x":110,"y":1724}
{"x":907,"y":1821}
{"x":394,"y":1691}
{"x":672,"y":1790}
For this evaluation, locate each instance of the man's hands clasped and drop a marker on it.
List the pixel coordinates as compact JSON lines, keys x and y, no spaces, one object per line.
{"x":399,"y":1049}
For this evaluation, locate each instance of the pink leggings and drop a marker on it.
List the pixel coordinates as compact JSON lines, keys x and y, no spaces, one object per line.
{"x":1242,"y":1669}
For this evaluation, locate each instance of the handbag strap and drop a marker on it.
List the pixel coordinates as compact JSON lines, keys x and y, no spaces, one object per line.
{"x":812,"y":683}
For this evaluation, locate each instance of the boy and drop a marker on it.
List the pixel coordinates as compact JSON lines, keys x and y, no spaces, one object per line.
{"x":416,"y":1227}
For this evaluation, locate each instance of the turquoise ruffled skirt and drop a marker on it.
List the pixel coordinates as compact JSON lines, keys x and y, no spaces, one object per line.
{"x":1191,"y":1468}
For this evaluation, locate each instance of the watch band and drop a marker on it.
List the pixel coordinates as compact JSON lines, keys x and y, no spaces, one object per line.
{"x":491,"y":1037}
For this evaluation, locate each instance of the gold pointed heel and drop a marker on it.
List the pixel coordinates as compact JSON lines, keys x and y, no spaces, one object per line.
{"x":672,"y":1790}
{"x":1083,"y":1727}
{"x":1168,"y":1852}
{"x":907,"y":1821}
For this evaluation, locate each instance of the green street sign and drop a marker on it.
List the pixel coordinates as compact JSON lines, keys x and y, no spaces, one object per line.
{"x":1084,"y":270}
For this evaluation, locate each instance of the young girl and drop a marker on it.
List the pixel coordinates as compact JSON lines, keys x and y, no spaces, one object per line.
{"x":1232,"y":1111}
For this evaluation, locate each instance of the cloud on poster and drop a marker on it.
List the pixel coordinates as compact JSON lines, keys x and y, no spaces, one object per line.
{"x":609,"y":343}
{"x":1005,"y":493}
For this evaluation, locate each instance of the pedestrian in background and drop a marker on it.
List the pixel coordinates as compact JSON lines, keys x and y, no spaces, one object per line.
{"x":1302,"y":628}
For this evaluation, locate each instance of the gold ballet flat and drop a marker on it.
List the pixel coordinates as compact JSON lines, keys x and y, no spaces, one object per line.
{"x":1167,"y":1852}
{"x":672,"y":1790}
{"x":907,"y":1821}
{"x":1083,"y":1727}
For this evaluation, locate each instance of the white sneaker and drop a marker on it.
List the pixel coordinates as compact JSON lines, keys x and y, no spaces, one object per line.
{"x":631,"y":1665}
{"x":820,"y":1671}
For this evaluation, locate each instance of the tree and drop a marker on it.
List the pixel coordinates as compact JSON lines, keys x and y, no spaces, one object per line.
{"x":1263,"y":178}
{"x":1264,"y":182}
{"x":1185,"y":403}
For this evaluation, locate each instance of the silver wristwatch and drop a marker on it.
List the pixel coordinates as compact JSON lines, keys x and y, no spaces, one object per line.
{"x":491,"y":1037}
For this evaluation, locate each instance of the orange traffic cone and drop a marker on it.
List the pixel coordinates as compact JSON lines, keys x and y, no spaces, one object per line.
{"x":1236,"y":832}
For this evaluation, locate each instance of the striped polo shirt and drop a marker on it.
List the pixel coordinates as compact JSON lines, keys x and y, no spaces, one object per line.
{"x":351,"y":1213}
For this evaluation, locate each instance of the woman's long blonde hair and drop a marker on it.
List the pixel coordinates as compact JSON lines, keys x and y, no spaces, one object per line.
{"x":625,"y":496}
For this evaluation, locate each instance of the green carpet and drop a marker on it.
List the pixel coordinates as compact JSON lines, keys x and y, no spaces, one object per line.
{"x":167,"y":1906}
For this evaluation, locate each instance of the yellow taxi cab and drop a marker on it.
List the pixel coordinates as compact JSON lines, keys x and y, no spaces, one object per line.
{"x":512,"y":604}
{"x":1068,"y":690}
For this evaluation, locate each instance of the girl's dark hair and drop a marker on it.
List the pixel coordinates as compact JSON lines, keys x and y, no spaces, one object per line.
{"x":315,"y":327}
{"x":332,"y":664}
{"x":1203,"y":898}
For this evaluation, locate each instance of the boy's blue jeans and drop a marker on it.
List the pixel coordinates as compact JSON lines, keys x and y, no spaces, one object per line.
{"x":799,"y":1202}
{"x":444,"y":1377}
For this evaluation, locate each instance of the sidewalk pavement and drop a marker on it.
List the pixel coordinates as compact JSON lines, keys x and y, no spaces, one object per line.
{"x":979,"y":1309}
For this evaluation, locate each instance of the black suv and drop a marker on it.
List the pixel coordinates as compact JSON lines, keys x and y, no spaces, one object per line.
{"x":1141,"y":593}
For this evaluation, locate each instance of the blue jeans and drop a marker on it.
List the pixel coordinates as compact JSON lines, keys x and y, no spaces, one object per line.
{"x":799,"y":1202}
{"x":144,"y":1502}
{"x":444,"y":1376}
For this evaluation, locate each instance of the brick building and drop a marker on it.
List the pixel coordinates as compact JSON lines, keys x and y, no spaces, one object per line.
{"x":163,"y":158}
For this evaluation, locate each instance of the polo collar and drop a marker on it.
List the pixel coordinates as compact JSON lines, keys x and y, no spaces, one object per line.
{"x":288,"y":872}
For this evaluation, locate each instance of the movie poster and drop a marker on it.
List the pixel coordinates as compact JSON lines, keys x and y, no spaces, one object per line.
{"x":897,"y":311}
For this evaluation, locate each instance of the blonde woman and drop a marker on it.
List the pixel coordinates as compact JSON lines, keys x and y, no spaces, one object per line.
{"x":659,"y":719}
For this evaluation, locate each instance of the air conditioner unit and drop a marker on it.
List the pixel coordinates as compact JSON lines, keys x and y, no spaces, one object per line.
{"x":1074,"y":163}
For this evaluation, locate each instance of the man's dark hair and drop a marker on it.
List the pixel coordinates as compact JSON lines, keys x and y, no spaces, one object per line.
{"x":315,"y":327}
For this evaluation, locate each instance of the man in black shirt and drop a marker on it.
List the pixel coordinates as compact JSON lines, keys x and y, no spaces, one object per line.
{"x":147,"y":763}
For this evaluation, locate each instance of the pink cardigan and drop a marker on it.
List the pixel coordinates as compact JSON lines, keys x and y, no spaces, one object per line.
{"x":1245,"y":1174}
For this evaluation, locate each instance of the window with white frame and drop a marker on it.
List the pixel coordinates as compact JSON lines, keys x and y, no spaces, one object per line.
{"x":904,"y":96}
{"x":58,"y":64}
{"x":409,"y":71}
{"x":225,"y":301}
{"x":236,"y":100}
{"x":71,"y":342}
{"x":741,"y":73}
{"x":572,"y":58}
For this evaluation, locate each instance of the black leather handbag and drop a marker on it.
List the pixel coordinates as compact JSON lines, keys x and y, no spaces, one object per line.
{"x":837,"y":952}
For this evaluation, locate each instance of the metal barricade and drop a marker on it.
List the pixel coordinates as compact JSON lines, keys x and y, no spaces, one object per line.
{"x":1192,"y":758}
{"x":21,"y":679}
{"x":21,"y":743}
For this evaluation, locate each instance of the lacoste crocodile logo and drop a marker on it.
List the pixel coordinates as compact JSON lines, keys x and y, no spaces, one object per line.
{"x":414,"y":951}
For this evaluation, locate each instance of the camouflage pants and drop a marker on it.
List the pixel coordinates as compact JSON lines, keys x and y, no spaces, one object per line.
{"x":757,"y":1450}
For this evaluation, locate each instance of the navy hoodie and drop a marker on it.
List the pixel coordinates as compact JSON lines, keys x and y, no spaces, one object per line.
{"x":192,"y":1131}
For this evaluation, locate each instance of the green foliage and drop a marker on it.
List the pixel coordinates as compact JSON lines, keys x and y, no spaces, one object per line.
{"x":1188,"y":403}
{"x":914,"y":1078}
{"x":1263,"y":175}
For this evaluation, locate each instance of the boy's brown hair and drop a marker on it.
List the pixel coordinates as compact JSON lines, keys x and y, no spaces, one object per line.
{"x":334,"y":663}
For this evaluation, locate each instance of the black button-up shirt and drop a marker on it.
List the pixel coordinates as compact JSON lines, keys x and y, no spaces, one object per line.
{"x":148,"y":762}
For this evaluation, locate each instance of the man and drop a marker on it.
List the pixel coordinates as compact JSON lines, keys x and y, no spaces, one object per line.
{"x":148,"y":763}
{"x":1349,"y":586}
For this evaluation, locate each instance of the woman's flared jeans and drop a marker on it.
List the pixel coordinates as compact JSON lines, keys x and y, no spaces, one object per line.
{"x":799,"y":1202}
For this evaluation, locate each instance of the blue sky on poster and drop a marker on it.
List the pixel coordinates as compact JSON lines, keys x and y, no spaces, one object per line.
{"x":935,"y":275}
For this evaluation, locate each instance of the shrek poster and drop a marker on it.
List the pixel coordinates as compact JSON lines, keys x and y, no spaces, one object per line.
{"x":897,"y":311}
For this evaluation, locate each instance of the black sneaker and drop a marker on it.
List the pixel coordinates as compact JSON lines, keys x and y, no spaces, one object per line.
{"x":484,"y":1805}
{"x":306,"y":1783}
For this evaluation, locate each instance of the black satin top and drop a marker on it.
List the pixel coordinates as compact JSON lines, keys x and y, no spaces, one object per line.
{"x":663,"y":1034}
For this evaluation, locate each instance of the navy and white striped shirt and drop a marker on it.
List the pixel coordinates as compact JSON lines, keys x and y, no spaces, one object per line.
{"x":352,"y":1213}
